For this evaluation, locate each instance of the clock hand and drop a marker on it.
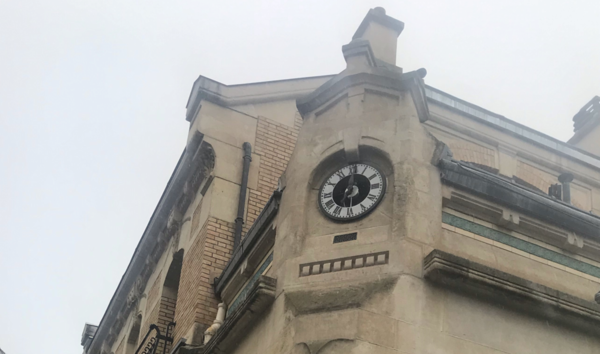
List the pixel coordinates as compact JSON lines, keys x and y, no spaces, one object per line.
{"x":349,"y":187}
{"x":346,"y":194}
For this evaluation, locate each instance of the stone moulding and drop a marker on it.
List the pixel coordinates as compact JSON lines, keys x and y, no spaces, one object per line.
{"x":231,"y":332}
{"x":508,"y":219}
{"x":450,"y":270}
{"x":346,"y":263}
{"x":496,"y":189}
{"x":522,"y":245}
{"x":378,"y":77}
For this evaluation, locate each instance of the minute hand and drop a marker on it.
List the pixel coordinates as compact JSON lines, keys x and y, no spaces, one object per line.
{"x":349,"y":189}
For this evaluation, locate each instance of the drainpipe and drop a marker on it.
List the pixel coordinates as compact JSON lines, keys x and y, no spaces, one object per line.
{"x":212,"y":330}
{"x":239,"y":221}
{"x":566,"y":179}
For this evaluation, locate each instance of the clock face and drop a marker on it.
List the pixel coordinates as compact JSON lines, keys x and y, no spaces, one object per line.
{"x":352,"y":192}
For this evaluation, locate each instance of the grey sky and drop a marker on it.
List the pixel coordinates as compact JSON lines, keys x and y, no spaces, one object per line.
{"x":92,"y":98}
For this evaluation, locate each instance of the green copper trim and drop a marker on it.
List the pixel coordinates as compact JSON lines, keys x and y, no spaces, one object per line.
{"x":519,"y":244}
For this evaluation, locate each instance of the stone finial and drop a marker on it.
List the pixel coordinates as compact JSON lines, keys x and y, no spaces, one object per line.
{"x":382,"y":32}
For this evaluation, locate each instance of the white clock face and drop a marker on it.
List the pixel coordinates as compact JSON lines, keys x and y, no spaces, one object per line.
{"x":352,"y":192}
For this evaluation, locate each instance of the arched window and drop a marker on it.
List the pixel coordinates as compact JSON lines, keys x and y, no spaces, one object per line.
{"x":134,"y":335}
{"x":168,"y":298}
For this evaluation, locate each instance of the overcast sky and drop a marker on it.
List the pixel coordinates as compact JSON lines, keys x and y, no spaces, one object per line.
{"x":92,"y":113}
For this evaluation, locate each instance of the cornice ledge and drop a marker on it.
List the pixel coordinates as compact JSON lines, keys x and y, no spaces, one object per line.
{"x":380,"y":77}
{"x":520,"y":199}
{"x":258,"y":92}
{"x":460,"y":273}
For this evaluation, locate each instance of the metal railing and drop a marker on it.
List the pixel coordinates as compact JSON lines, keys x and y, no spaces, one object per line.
{"x":153,"y":343}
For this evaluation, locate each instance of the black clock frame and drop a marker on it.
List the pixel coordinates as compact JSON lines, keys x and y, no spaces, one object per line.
{"x":360,"y":216}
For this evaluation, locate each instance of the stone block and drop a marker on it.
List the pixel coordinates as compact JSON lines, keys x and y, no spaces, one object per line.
{"x":224,"y":199}
{"x":228,"y":162}
{"x":226,"y":125}
{"x":313,"y":328}
{"x":466,"y":247}
{"x":377,"y":329}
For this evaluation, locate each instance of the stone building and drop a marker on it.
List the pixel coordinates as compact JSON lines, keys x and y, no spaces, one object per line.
{"x":364,"y":212}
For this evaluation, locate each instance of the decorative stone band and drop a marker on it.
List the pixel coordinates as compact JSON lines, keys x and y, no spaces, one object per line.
{"x":249,"y":286}
{"x":483,"y":281}
{"x":521,"y":245}
{"x":235,"y":327}
{"x":346,"y":263}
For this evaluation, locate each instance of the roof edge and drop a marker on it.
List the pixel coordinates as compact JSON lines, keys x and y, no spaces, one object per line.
{"x":232,"y":95}
{"x":507,"y":125}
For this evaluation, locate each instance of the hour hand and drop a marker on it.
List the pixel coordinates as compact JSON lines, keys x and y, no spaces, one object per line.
{"x":347,"y":192}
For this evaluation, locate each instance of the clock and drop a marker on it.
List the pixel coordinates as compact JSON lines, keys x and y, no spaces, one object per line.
{"x":352,"y":192}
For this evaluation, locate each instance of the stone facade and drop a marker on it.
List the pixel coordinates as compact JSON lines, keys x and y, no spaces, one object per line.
{"x":464,"y":253}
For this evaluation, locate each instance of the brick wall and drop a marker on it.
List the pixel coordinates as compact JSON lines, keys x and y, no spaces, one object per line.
{"x":161,"y":314}
{"x":205,"y":260}
{"x":166,"y":315}
{"x":274,"y":144}
{"x":154,"y":291}
{"x":151,"y":317}
{"x":212,"y":248}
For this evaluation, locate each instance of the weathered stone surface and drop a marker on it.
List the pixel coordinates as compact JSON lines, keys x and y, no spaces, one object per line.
{"x":340,"y":302}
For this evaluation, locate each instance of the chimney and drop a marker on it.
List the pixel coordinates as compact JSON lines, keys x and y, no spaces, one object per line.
{"x":586,"y":125}
{"x":382,"y":32}
{"x":587,"y":115}
{"x":566,"y":179}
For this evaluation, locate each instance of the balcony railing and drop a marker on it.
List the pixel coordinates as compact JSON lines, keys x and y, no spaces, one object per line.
{"x":150,"y":346}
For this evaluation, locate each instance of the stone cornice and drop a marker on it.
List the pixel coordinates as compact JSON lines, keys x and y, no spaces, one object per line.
{"x":465,"y":275}
{"x":258,"y":92}
{"x":511,"y":127}
{"x":375,"y":76}
{"x":520,"y":199}
{"x":231,"y":95}
{"x":195,"y":163}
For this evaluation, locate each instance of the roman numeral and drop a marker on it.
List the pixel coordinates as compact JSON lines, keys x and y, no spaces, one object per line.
{"x":329,"y":203}
{"x":327,"y":195}
{"x":372,"y":197}
{"x":353,"y":169}
{"x":365,"y":170}
{"x":362,"y":208}
{"x":337,"y":210}
{"x":340,"y":174}
{"x":375,"y":186}
{"x":375,"y":175}
{"x":329,"y":183}
{"x":350,"y":212}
